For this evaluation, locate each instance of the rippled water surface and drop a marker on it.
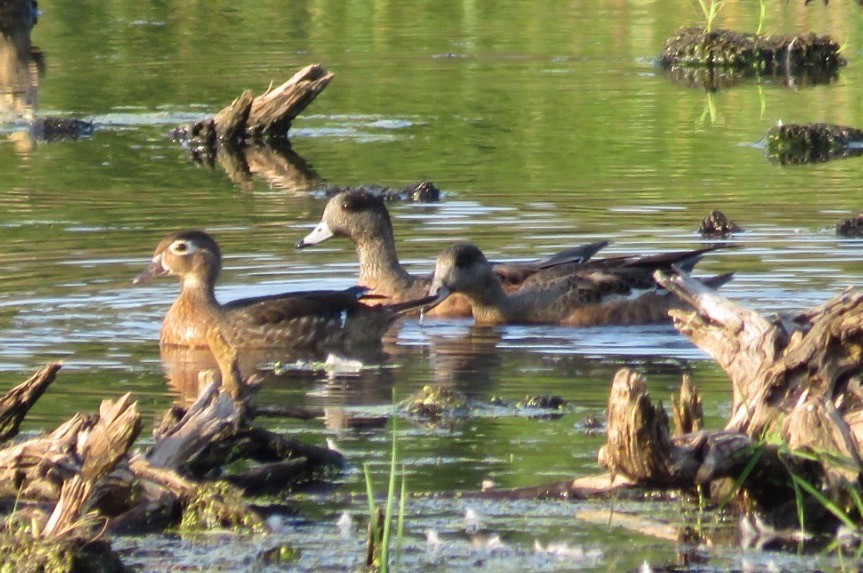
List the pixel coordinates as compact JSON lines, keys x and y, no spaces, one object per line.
{"x":545,"y":124}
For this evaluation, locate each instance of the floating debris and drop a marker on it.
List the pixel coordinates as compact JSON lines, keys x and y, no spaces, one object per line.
{"x":794,"y":143}
{"x":717,"y":225}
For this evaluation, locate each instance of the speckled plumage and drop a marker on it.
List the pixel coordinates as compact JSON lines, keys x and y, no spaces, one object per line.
{"x":601,"y":292}
{"x":310,"y":320}
{"x":363,"y":218}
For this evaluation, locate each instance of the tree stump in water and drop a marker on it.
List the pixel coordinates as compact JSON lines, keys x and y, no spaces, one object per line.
{"x":267,"y":115}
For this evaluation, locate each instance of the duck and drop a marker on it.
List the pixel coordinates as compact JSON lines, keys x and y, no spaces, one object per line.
{"x":321,"y":320}
{"x":613,"y":291}
{"x":363,"y":218}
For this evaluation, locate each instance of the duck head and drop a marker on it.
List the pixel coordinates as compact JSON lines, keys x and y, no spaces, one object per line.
{"x":193,"y":256}
{"x":354,"y":214}
{"x":461,"y":268}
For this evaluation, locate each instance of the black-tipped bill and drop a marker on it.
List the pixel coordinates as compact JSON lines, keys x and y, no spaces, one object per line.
{"x":318,"y":235}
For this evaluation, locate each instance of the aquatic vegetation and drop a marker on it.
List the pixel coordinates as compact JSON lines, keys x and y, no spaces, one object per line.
{"x":380,"y":519}
{"x":219,"y":505}
{"x":710,"y":9}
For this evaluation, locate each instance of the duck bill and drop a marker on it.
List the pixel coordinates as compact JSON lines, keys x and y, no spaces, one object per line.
{"x":318,"y":235}
{"x":156,"y":269}
{"x":440,"y":293}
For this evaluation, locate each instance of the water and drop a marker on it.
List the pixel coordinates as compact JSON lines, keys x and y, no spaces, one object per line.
{"x":545,"y":124}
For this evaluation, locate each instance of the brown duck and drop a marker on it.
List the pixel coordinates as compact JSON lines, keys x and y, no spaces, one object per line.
{"x":363,"y":218}
{"x":614,"y":291}
{"x":331,"y":321}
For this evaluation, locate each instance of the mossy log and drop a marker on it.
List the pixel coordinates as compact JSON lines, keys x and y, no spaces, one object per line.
{"x":793,"y":144}
{"x":267,"y":115}
{"x":816,"y":58}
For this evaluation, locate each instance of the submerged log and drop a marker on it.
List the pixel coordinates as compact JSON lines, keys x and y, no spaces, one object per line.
{"x":794,"y":144}
{"x":64,"y":542}
{"x":420,"y":192}
{"x":85,"y":463}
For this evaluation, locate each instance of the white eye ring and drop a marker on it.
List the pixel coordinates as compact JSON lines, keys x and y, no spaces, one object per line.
{"x":182,"y":247}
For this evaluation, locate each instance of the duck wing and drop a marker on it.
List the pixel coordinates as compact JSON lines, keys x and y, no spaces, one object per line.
{"x":514,"y":273}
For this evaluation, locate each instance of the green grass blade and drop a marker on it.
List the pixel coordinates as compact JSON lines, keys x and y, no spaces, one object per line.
{"x":391,"y":492}
{"x":400,"y":527}
{"x":738,"y":481}
{"x":828,"y":504}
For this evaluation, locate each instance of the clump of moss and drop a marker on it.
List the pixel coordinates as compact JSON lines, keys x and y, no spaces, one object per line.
{"x":280,"y":555}
{"x":766,"y":54}
{"x":812,"y":143}
{"x":219,"y":505}
{"x":437,"y":402}
{"x":542,"y":401}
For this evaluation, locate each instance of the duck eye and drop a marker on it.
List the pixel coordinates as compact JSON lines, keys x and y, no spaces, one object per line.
{"x":360,"y":202}
{"x":180,"y":247}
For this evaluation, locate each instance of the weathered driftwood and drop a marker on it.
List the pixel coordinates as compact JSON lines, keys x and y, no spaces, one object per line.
{"x":84,"y":464}
{"x":267,"y":115}
{"x":640,"y":446}
{"x":18,"y":401}
{"x":797,"y":413}
{"x":101,"y":448}
{"x":215,"y":431}
{"x":794,"y":144}
{"x":63,"y":542}
{"x":796,"y":379}
{"x":687,"y":408}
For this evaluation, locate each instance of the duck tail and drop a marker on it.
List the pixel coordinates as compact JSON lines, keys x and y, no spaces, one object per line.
{"x":577,"y":255}
{"x":717,"y":281}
